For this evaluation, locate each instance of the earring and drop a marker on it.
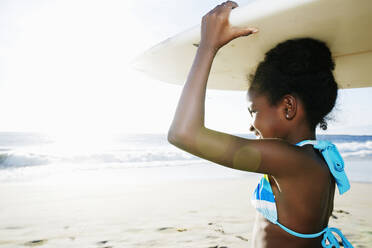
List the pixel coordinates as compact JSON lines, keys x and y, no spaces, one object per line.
{"x":287,"y":116}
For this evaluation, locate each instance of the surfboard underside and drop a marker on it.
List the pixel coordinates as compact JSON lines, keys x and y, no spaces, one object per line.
{"x":346,"y":27}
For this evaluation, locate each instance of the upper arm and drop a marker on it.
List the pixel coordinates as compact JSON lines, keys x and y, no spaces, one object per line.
{"x":269,"y":156}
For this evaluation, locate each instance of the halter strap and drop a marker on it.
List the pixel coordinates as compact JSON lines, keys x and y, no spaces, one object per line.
{"x":306,"y":142}
{"x":334,"y":162}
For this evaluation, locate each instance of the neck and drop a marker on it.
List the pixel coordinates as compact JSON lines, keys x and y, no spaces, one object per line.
{"x":300,"y":135}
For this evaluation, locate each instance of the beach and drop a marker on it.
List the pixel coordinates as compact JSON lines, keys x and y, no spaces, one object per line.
{"x":138,"y":191}
{"x":180,"y":213}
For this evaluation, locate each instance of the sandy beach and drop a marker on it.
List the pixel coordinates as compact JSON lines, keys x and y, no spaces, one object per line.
{"x":213,"y":213}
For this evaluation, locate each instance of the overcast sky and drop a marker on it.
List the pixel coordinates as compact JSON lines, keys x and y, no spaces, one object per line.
{"x":65,"y":67}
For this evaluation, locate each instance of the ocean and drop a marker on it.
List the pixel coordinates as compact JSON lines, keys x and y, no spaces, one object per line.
{"x":134,"y":159}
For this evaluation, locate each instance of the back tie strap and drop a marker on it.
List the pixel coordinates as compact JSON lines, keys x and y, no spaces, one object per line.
{"x":333,"y":242}
{"x":328,"y":236}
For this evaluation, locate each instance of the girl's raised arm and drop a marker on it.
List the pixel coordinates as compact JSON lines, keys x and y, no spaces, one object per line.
{"x":188,"y":131}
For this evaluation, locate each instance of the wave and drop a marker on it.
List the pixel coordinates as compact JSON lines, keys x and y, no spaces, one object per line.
{"x":17,"y":159}
{"x":148,"y":157}
{"x":11,"y":160}
{"x":360,"y":150}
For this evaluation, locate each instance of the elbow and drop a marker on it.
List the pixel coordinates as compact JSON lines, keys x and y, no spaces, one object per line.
{"x":184,"y":139}
{"x":181,"y":140}
{"x":171,"y":137}
{"x":174,"y":138}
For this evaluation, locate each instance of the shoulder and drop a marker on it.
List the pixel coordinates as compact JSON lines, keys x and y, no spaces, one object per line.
{"x":281,"y":158}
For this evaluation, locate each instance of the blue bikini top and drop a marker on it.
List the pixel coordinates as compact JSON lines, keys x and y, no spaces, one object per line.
{"x":263,"y":198}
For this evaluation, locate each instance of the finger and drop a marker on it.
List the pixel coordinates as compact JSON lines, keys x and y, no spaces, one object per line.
{"x":227,"y":7}
{"x":238,"y":32}
{"x":230,"y":4}
{"x":214,"y":9}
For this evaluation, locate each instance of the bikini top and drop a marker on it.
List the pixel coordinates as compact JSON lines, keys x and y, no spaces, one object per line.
{"x":263,"y":198}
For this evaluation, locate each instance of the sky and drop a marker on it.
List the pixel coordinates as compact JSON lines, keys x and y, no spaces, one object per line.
{"x":65,"y":67}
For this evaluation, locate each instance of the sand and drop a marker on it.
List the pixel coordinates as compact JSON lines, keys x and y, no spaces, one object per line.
{"x":194,"y":213}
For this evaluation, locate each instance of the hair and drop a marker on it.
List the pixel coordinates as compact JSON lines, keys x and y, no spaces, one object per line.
{"x":301,"y":67}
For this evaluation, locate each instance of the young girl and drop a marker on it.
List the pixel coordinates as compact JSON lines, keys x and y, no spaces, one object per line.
{"x":291,"y":92}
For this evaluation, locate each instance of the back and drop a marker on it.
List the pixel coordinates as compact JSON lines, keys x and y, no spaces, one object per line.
{"x":304,"y":204}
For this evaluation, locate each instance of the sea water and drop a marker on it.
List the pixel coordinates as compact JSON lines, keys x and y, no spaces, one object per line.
{"x":134,"y":158}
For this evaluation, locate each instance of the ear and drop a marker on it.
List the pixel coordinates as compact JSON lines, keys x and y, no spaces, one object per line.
{"x":289,"y":106}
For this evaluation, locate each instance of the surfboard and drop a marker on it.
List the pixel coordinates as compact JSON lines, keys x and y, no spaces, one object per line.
{"x":345,"y":25}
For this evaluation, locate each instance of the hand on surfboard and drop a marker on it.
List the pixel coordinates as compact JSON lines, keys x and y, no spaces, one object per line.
{"x":216,"y":30}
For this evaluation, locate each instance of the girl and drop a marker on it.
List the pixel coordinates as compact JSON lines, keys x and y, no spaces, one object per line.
{"x":291,"y":92}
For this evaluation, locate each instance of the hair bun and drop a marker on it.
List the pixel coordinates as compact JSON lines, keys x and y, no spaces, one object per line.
{"x":302,"y":56}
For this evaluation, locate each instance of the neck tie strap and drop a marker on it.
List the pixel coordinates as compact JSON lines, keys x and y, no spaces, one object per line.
{"x":335,"y":164}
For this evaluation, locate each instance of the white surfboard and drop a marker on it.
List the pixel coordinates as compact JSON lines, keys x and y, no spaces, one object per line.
{"x":345,"y":25}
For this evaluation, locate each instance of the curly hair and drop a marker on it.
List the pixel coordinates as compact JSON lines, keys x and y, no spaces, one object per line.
{"x":301,"y":67}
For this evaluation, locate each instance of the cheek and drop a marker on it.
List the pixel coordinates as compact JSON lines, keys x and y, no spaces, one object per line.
{"x":259,"y":123}
{"x":266,"y":125}
{"x":254,"y":121}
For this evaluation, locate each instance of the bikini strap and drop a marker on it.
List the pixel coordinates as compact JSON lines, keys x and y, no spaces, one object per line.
{"x":306,"y":142}
{"x":328,"y":236}
{"x":334,"y":162}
